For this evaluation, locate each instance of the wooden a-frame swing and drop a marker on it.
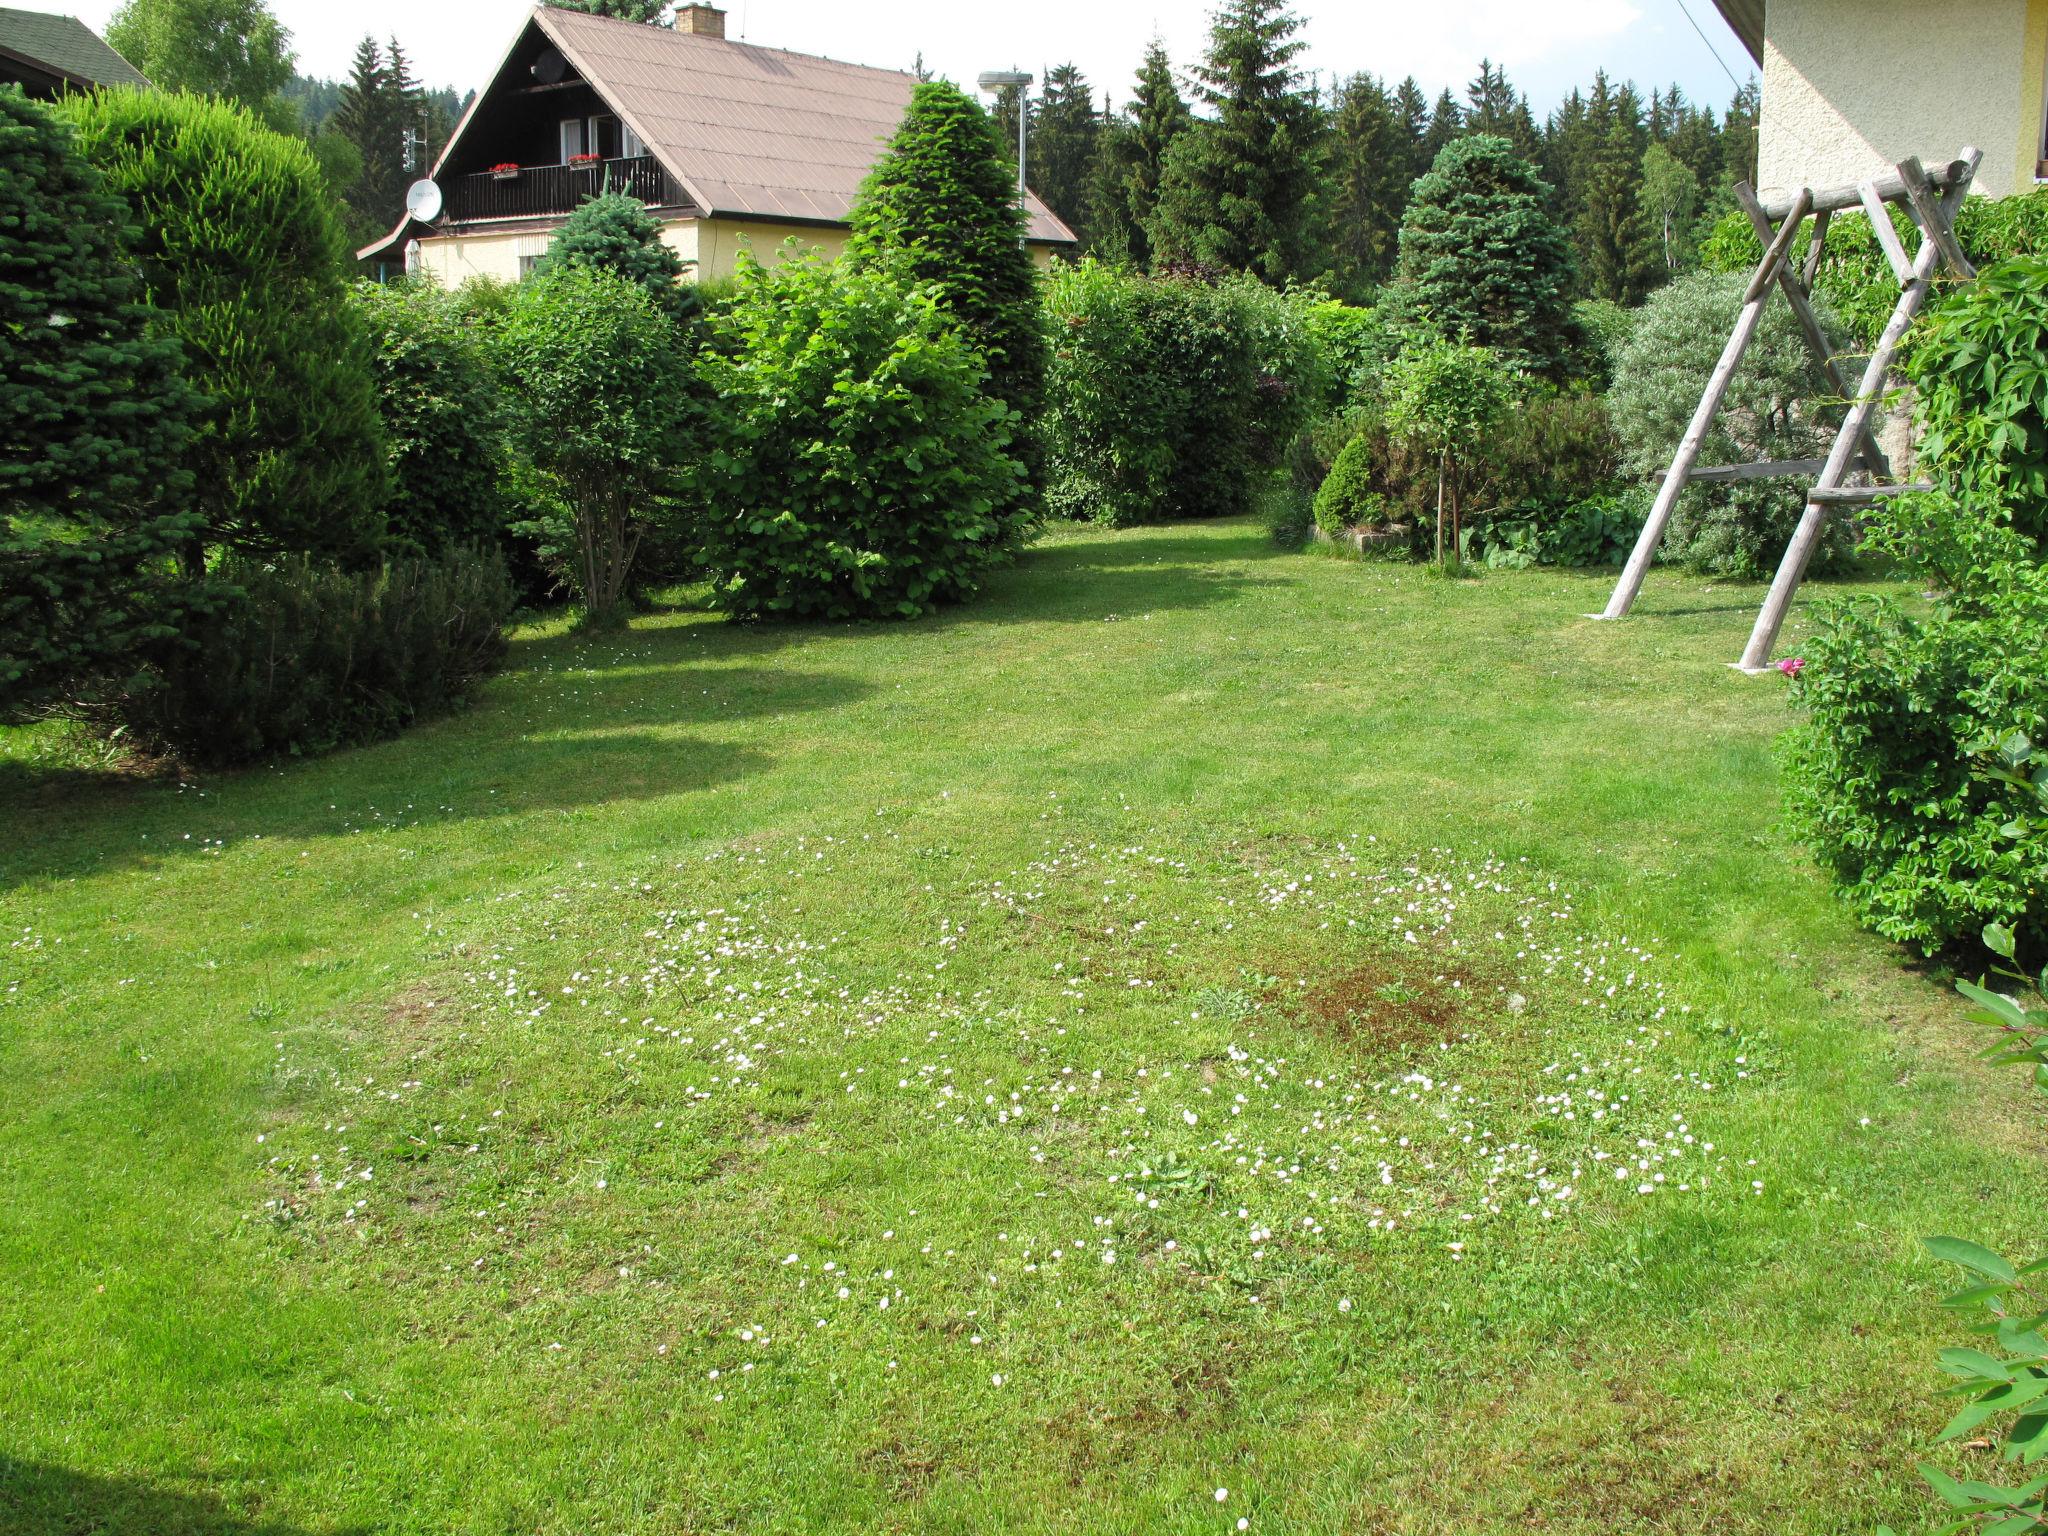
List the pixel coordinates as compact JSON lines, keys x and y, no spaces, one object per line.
{"x":1932,"y":198}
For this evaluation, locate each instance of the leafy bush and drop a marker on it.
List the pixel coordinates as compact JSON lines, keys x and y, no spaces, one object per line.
{"x":444,"y":426}
{"x":1878,"y":777}
{"x":857,"y":468}
{"x":940,"y":206}
{"x":1484,"y":260}
{"x":614,"y":232}
{"x":243,"y":260}
{"x":1168,"y":395}
{"x":1346,"y":498}
{"x":93,"y":493}
{"x":1772,"y":411}
{"x":296,"y":658}
{"x":1354,"y":345}
{"x":1855,"y":277}
{"x":603,"y":395}
{"x":1444,"y":398}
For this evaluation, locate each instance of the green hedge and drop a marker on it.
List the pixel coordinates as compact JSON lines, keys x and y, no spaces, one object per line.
{"x":1168,"y":395}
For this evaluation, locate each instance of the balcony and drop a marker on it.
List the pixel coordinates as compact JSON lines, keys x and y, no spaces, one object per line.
{"x":548,"y":191}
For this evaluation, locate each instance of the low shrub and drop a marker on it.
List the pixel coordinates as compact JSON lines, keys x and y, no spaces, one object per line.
{"x":857,"y":467}
{"x":1595,"y":530}
{"x":1774,"y":410}
{"x":293,"y":658}
{"x":1346,"y":498}
{"x":1169,"y":395}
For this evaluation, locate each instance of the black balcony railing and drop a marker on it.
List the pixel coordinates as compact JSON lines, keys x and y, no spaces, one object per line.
{"x":543,"y":191}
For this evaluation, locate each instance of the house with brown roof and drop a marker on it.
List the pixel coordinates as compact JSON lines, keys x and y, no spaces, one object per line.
{"x":731,"y":146}
{"x":1852,"y":87}
{"x":48,"y":55}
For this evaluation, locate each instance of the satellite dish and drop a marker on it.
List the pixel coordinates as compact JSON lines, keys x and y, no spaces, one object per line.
{"x":550,"y":67}
{"x":423,"y":200}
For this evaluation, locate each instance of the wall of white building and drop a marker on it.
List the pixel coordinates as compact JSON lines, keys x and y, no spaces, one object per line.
{"x":1851,"y":87}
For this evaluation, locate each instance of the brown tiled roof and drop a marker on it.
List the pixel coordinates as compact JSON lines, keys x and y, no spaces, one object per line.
{"x":751,"y":132}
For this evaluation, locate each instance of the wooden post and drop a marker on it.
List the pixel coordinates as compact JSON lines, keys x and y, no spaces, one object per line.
{"x":1934,"y":224}
{"x":1756,"y":656}
{"x":1809,"y":323}
{"x":1755,"y":297}
{"x":1811,"y":270}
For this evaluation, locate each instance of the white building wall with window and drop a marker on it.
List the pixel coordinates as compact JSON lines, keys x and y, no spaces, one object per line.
{"x":1852,"y":87}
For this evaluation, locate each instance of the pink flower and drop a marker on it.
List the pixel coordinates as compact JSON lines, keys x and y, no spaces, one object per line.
{"x":1792,"y":666}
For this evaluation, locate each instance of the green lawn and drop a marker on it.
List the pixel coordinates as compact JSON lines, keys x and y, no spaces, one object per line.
{"x":1202,"y":1036}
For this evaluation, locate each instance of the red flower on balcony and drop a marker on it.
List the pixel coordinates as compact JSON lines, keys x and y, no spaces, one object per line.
{"x":585,"y":159}
{"x":504,"y":167}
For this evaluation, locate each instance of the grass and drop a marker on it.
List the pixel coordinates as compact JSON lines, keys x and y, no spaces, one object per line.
{"x":1453,"y":1101}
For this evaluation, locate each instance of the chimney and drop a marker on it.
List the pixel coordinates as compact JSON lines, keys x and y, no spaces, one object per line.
{"x":700,"y":20}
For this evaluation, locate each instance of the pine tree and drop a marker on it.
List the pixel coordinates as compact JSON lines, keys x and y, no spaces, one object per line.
{"x":93,"y":485}
{"x":1616,"y":245}
{"x":648,"y":11}
{"x":1235,"y":190}
{"x":941,"y":206}
{"x":1494,"y":106}
{"x":1483,"y":258}
{"x":408,"y":99}
{"x":1065,"y":139}
{"x":1446,"y":123}
{"x":1411,"y":111}
{"x":1158,"y":116}
{"x":1368,"y":174}
{"x":1112,"y":233}
{"x":1739,"y":136}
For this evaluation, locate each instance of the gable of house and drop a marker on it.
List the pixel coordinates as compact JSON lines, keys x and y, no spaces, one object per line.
{"x":709,"y":131}
{"x":46,"y":55}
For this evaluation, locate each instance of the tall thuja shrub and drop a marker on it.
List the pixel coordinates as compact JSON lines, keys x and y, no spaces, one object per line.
{"x":243,"y":261}
{"x":1484,"y":260}
{"x":858,"y":468}
{"x":1884,"y":778}
{"x":940,"y":207}
{"x":93,"y":489}
{"x":444,"y":420}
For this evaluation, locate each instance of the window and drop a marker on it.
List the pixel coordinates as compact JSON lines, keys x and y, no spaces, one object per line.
{"x":630,"y":145}
{"x":573,"y":130}
{"x":526,"y":266}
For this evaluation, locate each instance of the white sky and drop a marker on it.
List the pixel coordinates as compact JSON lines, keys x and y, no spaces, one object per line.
{"x":1547,"y":46}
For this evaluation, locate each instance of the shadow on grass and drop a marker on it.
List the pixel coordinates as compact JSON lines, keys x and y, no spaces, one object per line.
{"x":37,"y":1499}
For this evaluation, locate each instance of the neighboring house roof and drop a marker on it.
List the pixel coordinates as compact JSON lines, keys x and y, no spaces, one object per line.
{"x":750,"y":132}
{"x":65,"y":47}
{"x":1746,"y":18}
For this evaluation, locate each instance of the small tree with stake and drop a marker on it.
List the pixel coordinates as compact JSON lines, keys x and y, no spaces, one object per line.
{"x":603,"y":393}
{"x":1445,"y":396}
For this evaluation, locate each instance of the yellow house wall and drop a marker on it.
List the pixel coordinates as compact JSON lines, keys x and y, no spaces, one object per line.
{"x":711,"y":247}
{"x":1851,"y":87}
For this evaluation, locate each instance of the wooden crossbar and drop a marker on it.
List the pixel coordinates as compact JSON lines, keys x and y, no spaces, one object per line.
{"x":1890,"y":186}
{"x":1768,"y":469}
{"x":1851,"y":495}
